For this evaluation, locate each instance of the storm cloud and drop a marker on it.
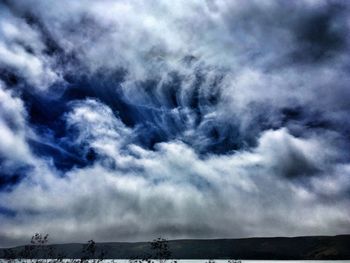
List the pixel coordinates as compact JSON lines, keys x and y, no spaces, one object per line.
{"x":127,"y":120}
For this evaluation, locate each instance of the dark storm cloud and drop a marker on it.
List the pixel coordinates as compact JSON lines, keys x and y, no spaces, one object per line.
{"x":323,"y":34}
{"x":121,"y":119}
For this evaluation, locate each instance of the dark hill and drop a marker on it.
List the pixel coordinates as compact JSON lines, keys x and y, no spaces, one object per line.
{"x":312,"y":247}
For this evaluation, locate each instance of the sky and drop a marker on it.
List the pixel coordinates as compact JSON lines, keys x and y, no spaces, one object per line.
{"x":126,"y":120}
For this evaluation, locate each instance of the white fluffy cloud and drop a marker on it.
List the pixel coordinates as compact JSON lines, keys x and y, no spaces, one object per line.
{"x":165,"y":191}
{"x":22,"y":50}
{"x":13,"y":147}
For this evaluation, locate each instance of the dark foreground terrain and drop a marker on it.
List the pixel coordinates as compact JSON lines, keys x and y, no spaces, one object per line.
{"x":313,"y":247}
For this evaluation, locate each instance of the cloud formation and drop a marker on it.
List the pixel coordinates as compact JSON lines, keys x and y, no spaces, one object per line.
{"x":123,"y":120}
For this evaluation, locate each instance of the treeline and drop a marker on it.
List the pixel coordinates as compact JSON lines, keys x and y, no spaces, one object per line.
{"x":39,"y":251}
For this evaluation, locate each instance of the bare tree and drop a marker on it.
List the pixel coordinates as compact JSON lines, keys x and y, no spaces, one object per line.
{"x":160,"y":247}
{"x":90,"y":251}
{"x":37,"y":251}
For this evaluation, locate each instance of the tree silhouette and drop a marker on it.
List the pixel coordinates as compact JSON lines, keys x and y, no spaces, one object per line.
{"x":89,"y":251}
{"x":37,"y":251}
{"x":160,"y":248}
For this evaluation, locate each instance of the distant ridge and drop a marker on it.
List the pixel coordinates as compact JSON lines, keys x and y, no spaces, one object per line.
{"x":283,"y":248}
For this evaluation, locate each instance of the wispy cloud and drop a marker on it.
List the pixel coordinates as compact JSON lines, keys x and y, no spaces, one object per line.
{"x":123,"y":120}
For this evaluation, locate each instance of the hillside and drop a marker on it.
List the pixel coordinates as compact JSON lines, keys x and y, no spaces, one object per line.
{"x":312,"y":247}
